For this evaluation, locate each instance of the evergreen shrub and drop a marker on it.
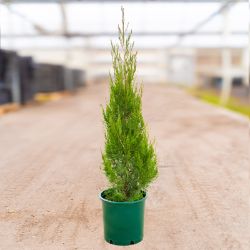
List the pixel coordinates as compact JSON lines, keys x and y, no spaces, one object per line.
{"x":129,"y":158}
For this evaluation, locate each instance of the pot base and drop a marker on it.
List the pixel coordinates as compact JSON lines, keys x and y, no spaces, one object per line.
{"x":132,"y":242}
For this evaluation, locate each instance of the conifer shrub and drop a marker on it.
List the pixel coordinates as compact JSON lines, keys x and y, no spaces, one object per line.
{"x":129,"y":158}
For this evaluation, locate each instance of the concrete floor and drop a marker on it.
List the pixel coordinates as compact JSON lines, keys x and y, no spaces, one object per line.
{"x":50,"y":174}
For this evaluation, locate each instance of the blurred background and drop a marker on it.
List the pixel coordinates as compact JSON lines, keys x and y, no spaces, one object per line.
{"x":54,"y":46}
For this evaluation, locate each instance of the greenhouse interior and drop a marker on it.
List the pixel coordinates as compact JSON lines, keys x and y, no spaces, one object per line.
{"x":124,"y":123}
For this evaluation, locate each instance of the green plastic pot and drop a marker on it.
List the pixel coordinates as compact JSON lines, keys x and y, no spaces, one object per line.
{"x":123,"y":221}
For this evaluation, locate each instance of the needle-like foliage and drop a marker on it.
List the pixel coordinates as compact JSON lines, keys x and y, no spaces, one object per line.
{"x":129,"y":158}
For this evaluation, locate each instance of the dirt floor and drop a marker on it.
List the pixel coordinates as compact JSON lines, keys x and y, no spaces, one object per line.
{"x":50,"y":174}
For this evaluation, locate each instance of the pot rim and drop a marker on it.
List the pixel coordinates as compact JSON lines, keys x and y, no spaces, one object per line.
{"x":122,"y":202}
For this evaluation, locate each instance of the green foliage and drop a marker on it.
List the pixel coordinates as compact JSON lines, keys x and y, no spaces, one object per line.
{"x":129,"y":158}
{"x":213,"y":98}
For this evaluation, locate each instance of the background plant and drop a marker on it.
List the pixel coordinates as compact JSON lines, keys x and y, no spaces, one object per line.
{"x":129,"y":158}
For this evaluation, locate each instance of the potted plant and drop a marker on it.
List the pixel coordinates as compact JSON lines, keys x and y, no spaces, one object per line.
{"x":129,"y":159}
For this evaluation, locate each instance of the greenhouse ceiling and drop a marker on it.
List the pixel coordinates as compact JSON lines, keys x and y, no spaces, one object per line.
{"x":84,"y":1}
{"x":72,"y":23}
